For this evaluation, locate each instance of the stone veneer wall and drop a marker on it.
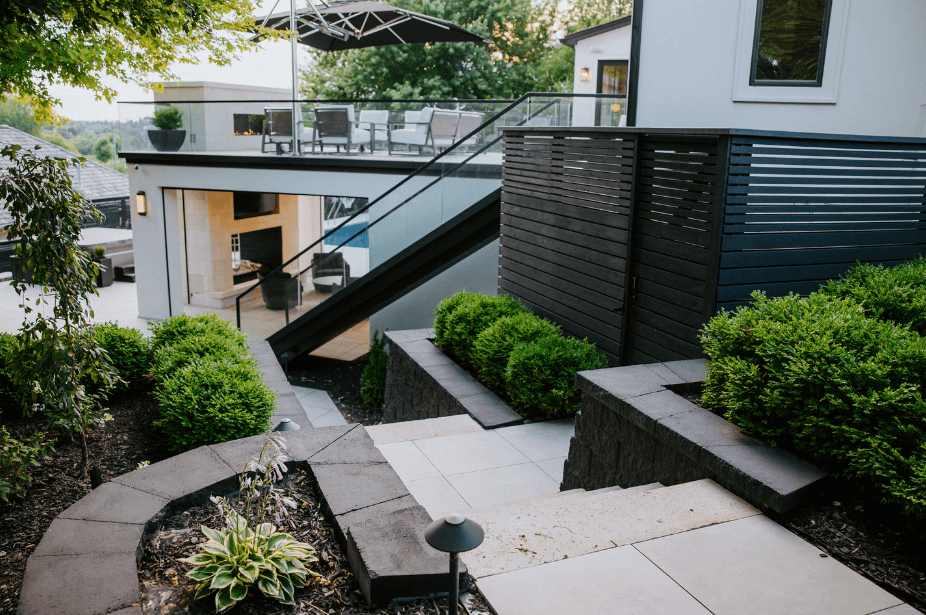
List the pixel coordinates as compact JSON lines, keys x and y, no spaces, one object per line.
{"x":633,"y":429}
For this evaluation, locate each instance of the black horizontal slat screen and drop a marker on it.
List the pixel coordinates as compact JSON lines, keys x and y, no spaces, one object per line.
{"x":803,"y":210}
{"x":115,"y":212}
{"x":565,"y":206}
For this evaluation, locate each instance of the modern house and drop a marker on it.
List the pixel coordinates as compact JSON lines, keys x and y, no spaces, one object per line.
{"x":601,"y":66}
{"x":106,"y":188}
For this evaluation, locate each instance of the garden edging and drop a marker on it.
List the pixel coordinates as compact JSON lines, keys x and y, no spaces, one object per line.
{"x":87,"y":562}
{"x":633,"y":429}
{"x":424,"y":383}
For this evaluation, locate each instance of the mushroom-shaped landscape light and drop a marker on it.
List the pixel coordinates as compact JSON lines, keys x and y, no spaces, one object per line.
{"x":286,"y":425}
{"x":454,"y":534}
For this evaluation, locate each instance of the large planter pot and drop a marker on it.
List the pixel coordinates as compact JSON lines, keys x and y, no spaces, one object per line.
{"x":167,"y":140}
{"x":21,"y":271}
{"x":106,"y":275}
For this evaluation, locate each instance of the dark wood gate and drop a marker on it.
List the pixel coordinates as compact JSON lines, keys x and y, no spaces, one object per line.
{"x":634,"y":238}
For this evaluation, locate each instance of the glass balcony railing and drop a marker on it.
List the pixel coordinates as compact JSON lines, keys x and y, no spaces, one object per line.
{"x":354,"y":245}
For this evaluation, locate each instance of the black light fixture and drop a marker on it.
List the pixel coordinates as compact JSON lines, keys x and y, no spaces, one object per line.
{"x":141,"y":205}
{"x":454,"y":534}
{"x":286,"y":425}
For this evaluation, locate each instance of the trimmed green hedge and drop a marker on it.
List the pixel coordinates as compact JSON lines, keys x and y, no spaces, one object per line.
{"x":129,"y":352}
{"x":186,"y":350}
{"x":819,"y":376}
{"x":522,"y":356}
{"x":179,"y":327}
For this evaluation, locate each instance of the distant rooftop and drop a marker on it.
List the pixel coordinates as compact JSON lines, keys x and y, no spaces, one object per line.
{"x":570,"y":40}
{"x":94,"y":181}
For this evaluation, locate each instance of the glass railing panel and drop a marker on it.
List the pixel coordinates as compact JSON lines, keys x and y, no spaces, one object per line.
{"x":137,"y":131}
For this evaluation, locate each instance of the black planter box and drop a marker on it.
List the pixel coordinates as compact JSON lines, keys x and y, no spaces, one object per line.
{"x":167,"y":140}
{"x":106,"y":275}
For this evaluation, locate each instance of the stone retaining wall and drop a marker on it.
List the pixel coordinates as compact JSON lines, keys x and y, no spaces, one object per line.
{"x":634,"y":429}
{"x":424,"y":383}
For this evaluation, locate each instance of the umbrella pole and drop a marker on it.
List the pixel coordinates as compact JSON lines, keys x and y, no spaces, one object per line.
{"x":292,"y":26}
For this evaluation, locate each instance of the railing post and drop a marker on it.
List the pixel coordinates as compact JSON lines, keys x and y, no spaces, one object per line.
{"x":238,"y":311}
{"x":638,"y":139}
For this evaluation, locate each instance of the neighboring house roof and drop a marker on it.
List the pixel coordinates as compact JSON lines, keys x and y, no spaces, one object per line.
{"x":570,"y":40}
{"x":94,"y":180}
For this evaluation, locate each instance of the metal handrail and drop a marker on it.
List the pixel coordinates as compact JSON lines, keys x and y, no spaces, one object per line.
{"x":330,"y":100}
{"x":413,"y":174}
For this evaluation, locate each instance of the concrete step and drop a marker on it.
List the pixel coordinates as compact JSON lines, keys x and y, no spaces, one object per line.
{"x":423,"y":429}
{"x":578,"y":524}
{"x":125,"y":273}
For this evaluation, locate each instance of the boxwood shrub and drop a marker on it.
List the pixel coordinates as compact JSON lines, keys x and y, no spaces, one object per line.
{"x":494,"y":346}
{"x":817,"y":375}
{"x":186,"y":350}
{"x":173,"y":329}
{"x":474,"y":315}
{"x":441,"y":316}
{"x":129,"y":353}
{"x":210,"y":401}
{"x":540,"y":378}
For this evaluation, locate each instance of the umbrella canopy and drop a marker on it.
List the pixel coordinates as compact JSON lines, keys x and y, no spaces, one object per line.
{"x":354,"y":24}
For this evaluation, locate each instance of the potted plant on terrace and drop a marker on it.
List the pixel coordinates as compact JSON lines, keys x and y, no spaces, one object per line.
{"x":104,"y":276}
{"x":168,"y":137}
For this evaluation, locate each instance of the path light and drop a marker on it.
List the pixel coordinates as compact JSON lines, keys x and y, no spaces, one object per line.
{"x":286,"y":425}
{"x":454,"y":534}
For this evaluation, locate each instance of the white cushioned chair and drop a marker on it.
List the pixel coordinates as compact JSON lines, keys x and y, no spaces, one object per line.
{"x":377,"y":123}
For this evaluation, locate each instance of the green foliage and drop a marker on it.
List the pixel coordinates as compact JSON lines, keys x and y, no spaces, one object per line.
{"x":473,"y":316}
{"x":173,"y":329}
{"x":91,"y":45}
{"x":494,"y":346}
{"x":103,"y":150}
{"x":16,"y":457}
{"x":234,"y":559}
{"x":373,"y":379}
{"x":444,"y":309}
{"x":897,"y":294}
{"x":167,"y":118}
{"x":540,"y":378}
{"x":588,"y":13}
{"x":99,"y":251}
{"x":129,"y":352}
{"x":17,"y":115}
{"x":9,"y":345}
{"x":58,"y":356}
{"x":84,"y":143}
{"x":818,"y":376}
{"x":209,"y":401}
{"x":56,"y":138}
{"x":205,"y":346}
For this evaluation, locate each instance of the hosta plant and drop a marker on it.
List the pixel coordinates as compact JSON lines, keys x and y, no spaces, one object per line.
{"x":236,"y":557}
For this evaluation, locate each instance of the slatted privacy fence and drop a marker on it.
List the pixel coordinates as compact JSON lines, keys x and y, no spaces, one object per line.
{"x":634,"y":238}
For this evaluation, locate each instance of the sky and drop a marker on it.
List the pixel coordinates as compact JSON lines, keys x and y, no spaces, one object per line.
{"x":270,"y":65}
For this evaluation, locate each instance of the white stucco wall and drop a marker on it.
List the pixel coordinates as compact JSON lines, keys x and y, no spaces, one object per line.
{"x":877,"y":72}
{"x":613,"y":45}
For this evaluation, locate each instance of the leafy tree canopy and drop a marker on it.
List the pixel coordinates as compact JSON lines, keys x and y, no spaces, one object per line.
{"x":583,"y":14}
{"x":14,"y":113}
{"x":81,"y":42}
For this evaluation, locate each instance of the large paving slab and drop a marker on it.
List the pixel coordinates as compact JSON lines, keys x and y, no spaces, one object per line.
{"x":408,"y":461}
{"x":540,"y":441}
{"x":470,"y":452}
{"x":576,"y":526}
{"x":73,"y":537}
{"x":437,"y":496}
{"x":70,"y":584}
{"x":609,"y":582}
{"x":423,"y":429}
{"x":494,"y":485}
{"x":187,"y":474}
{"x":117,"y":503}
{"x":755,"y":566}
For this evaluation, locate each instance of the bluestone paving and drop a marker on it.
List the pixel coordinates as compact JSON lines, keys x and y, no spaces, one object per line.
{"x":616,"y":581}
{"x":118,"y":503}
{"x":73,"y":537}
{"x":494,"y":485}
{"x":353,"y":447}
{"x":540,"y":441}
{"x":470,"y":452}
{"x":756,"y":566}
{"x":437,"y":496}
{"x":329,"y":419}
{"x":182,"y":475}
{"x":408,"y":461}
{"x":423,"y":429}
{"x":71,"y":584}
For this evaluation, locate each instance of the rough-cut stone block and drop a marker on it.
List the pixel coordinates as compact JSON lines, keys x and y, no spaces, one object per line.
{"x":188,"y":474}
{"x":79,"y":584}
{"x":73,"y":537}
{"x":396,"y":561}
{"x":352,"y":486}
{"x":118,"y":503}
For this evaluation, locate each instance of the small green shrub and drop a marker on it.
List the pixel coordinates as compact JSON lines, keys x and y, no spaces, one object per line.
{"x":16,"y":457}
{"x":203,"y":347}
{"x":207,"y":402}
{"x":474,"y":315}
{"x":540,"y":378}
{"x":99,"y":251}
{"x":167,"y":118}
{"x":818,"y":376}
{"x":373,"y":379}
{"x":169,"y":331}
{"x":444,"y":309}
{"x":9,"y":345}
{"x":897,"y":294}
{"x":129,"y":352}
{"x":494,"y":346}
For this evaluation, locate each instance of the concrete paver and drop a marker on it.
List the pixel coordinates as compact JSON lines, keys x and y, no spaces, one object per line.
{"x":437,"y":496}
{"x":756,"y":566}
{"x":553,"y":468}
{"x":423,"y":429}
{"x":319,"y":408}
{"x":408,"y":461}
{"x":610,"y":582}
{"x":540,"y":441}
{"x":470,"y":452}
{"x":487,"y":487}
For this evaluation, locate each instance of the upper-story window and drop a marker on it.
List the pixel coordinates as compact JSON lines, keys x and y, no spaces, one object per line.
{"x":790,"y":42}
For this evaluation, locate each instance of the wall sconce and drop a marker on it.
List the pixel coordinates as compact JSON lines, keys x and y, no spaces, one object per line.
{"x":586,"y":75}
{"x":141,"y":205}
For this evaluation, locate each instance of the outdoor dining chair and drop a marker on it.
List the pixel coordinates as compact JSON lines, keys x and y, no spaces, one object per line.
{"x":335,"y":125}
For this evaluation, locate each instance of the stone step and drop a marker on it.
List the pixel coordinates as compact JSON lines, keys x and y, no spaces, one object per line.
{"x":422,"y":429}
{"x":579,"y":524}
{"x":125,"y":273}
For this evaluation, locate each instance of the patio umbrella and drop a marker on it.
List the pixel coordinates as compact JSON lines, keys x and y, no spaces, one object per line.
{"x":355,"y":24}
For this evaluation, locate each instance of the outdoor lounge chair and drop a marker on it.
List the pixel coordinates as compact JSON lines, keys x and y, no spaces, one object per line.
{"x":377,"y":123}
{"x":469,"y":121}
{"x":435,"y":128}
{"x":330,"y":272}
{"x":335,"y":125}
{"x":280,"y":289}
{"x":278,"y":129}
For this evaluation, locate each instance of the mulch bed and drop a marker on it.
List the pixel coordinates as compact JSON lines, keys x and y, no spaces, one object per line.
{"x":116,"y":449}
{"x":166,"y":589}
